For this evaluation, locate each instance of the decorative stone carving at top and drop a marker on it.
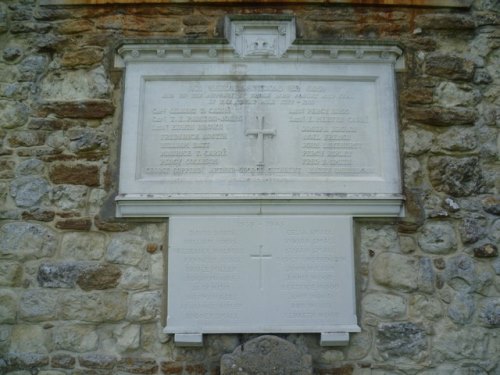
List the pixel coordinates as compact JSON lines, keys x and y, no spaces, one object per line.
{"x":260,"y":37}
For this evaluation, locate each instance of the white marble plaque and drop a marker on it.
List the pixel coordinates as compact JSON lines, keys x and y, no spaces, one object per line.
{"x":313,"y":123}
{"x":260,"y":274}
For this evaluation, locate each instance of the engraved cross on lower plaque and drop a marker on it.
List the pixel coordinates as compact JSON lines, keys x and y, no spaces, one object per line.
{"x":260,"y":257}
{"x":260,"y":133}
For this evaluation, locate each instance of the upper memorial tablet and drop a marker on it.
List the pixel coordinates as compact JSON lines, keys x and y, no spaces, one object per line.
{"x":259,"y":118}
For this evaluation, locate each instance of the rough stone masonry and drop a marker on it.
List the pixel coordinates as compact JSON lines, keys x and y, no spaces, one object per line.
{"x":80,"y":292}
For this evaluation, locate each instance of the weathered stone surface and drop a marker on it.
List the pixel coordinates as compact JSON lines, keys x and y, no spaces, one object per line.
{"x":445,"y":21}
{"x":62,"y":361}
{"x":441,"y":116}
{"x":405,"y":279}
{"x":32,"y":66}
{"x":75,"y":26}
{"x":6,"y":169}
{"x":28,"y":191}
{"x":425,"y":306}
{"x":12,"y":53}
{"x":13,"y":114}
{"x":266,"y":355}
{"x":27,"y":138}
{"x":128,"y":336}
{"x":74,"y":224}
{"x":8,"y":306}
{"x":85,"y":56}
{"x":38,"y":214}
{"x":89,"y":246}
{"x":126,"y":249}
{"x":417,"y":141}
{"x":401,"y":339}
{"x":69,"y":197}
{"x":11,"y":274}
{"x":26,"y":240}
{"x":75,"y":337}
{"x":462,"y":274}
{"x":456,"y":176}
{"x":99,"y":361}
{"x":144,"y":306}
{"x":89,"y":109}
{"x":77,"y":174}
{"x":79,"y":85}
{"x":465,"y":343}
{"x":99,"y":277}
{"x":472,"y":229}
{"x":461,"y":308}
{"x":30,"y":167}
{"x":457,"y":139}
{"x":449,"y":66}
{"x":437,"y":238}
{"x":83,"y":140}
{"x":26,"y":360}
{"x":94,"y":307}
{"x":138,"y":23}
{"x":59,"y":275}
{"x":136,"y":365}
{"x":157,"y":269}
{"x":384,"y":305}
{"x":134,"y":278}
{"x":488,"y":250}
{"x":491,"y":205}
{"x":489,"y":312}
{"x":28,"y":338}
{"x":38,"y":305}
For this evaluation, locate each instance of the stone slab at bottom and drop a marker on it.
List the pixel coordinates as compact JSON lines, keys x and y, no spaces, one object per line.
{"x":266,"y":355}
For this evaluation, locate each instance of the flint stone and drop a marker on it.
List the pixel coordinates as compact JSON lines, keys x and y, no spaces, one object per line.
{"x":266,"y":355}
{"x":489,"y":312}
{"x":38,"y":305}
{"x":28,"y":191}
{"x":437,"y":238}
{"x":26,"y":240}
{"x":458,"y":177}
{"x":402,"y":339}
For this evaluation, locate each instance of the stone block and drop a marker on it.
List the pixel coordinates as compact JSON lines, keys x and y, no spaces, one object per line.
{"x":99,"y":277}
{"x":437,"y":238}
{"x":30,"y":339}
{"x":401,"y":339}
{"x":88,"y":109}
{"x":77,"y":174}
{"x":425,"y":306}
{"x":449,"y":66}
{"x":75,"y":224}
{"x":38,"y":214}
{"x":94,"y":307}
{"x":144,"y":306}
{"x":136,"y":365}
{"x":491,"y":204}
{"x":266,"y":355}
{"x":128,"y":336}
{"x":30,"y":167}
{"x":59,"y":275}
{"x":62,"y":361}
{"x":133,"y":278}
{"x":83,"y":246}
{"x":98,"y":361}
{"x":25,"y":240}
{"x":13,"y":114}
{"x":82,"y":57}
{"x":38,"y":305}
{"x":464,"y":275}
{"x":75,"y":337}
{"x":8,"y":306}
{"x":26,"y":360}
{"x":441,"y":116}
{"x":69,"y":197}
{"x":384,"y":305}
{"x":126,"y":249}
{"x":488,"y":250}
{"x":28,"y":191}
{"x":489,"y":312}
{"x":472,"y":229}
{"x":405,"y":279}
{"x":26,"y":138}
{"x":11,"y":274}
{"x":461,"y":308}
{"x":444,"y":21}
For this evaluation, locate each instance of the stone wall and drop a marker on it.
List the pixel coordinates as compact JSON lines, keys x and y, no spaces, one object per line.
{"x":80,"y":293}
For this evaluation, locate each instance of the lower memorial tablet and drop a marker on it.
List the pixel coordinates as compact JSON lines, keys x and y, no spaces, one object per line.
{"x":260,"y":274}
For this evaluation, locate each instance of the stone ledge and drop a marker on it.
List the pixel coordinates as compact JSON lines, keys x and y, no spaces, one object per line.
{"x":415,"y":3}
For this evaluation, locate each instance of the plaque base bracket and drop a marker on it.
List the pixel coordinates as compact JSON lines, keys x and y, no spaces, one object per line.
{"x":188,"y":339}
{"x":334,"y":338}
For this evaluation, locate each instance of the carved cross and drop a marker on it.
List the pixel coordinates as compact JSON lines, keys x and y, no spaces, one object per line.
{"x":260,"y":133}
{"x":260,"y":257}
